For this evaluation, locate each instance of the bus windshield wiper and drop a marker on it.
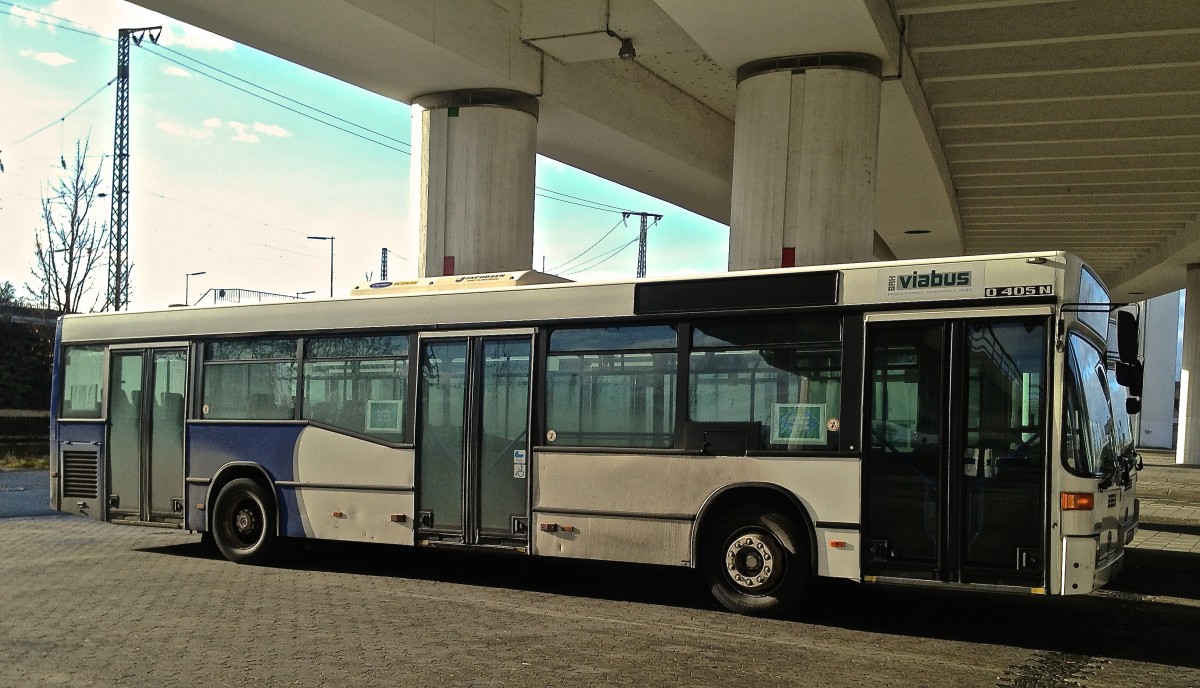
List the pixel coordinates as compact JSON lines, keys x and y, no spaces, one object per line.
{"x":1125,"y":464}
{"x":1118,"y":466}
{"x":1131,"y":462}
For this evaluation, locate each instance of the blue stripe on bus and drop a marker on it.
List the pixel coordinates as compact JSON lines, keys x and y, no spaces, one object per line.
{"x":212,"y":445}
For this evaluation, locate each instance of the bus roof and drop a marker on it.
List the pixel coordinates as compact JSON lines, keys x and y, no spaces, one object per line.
{"x":468,"y":302}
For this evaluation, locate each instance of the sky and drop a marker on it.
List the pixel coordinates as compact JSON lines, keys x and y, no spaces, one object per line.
{"x":236,"y":157}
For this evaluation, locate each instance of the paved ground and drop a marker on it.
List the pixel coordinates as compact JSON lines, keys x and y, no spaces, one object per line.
{"x":1170,"y":505}
{"x":24,"y":493}
{"x":92,"y":604}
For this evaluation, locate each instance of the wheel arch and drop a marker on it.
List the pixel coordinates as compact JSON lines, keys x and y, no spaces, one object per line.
{"x":754,"y":493}
{"x":232,"y":471}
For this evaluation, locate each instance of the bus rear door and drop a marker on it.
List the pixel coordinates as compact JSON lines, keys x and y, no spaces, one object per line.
{"x":145,"y":435}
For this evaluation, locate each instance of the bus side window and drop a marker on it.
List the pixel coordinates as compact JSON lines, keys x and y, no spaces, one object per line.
{"x":612,"y":386}
{"x":784,"y":374}
{"x":359,"y":384}
{"x":250,"y":379}
{"x":83,"y":380}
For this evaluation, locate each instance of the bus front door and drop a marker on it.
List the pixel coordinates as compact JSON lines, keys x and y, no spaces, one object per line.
{"x":145,"y":436}
{"x":473,"y":440}
{"x":955,"y":470}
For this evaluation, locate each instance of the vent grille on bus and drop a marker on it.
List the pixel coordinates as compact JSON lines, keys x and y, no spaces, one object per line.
{"x":81,"y":472}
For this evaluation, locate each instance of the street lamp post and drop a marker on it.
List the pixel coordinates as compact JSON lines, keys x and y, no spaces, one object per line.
{"x":330,"y":240}
{"x":186,"y":283}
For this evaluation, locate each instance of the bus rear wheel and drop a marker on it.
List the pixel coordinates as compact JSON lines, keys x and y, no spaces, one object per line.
{"x":756,"y":561}
{"x":243,"y":525}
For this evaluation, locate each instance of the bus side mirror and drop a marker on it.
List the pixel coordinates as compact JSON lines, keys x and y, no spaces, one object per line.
{"x":1127,"y":337}
{"x":1133,"y":406}
{"x":1129,"y":376}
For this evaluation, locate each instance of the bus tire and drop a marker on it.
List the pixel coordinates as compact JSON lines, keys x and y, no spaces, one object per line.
{"x":243,"y":524}
{"x":756,"y":561}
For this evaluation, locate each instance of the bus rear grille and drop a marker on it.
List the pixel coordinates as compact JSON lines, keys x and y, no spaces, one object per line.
{"x":81,"y":472}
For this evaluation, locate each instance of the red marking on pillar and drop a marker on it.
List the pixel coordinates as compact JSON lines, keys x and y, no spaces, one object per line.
{"x":789,"y":257}
{"x":448,"y":265}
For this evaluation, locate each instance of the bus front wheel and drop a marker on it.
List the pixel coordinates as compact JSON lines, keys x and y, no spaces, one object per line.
{"x":756,"y":561}
{"x":243,"y":524}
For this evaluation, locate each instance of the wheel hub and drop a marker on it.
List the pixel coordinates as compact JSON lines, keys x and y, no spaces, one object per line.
{"x":750,"y":561}
{"x":245,"y":521}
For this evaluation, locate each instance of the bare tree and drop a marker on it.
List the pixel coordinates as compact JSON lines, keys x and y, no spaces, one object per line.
{"x":70,"y":246}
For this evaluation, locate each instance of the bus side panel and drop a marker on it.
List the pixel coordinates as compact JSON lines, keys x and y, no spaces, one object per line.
{"x":210,"y":446}
{"x":839,"y":552}
{"x":79,"y":455}
{"x":353,"y":489}
{"x":640,"y":513}
{"x":614,"y":538}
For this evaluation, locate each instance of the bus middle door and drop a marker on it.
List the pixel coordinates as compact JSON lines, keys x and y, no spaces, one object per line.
{"x":473,"y":439}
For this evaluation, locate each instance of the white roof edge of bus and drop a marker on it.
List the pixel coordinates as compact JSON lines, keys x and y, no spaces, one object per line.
{"x":631,"y":281}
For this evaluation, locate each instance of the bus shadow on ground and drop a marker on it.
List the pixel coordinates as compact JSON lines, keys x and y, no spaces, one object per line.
{"x":661,"y":585}
{"x":1125,"y":622}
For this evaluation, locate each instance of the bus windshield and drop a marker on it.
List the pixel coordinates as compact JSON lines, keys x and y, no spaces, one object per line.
{"x":1090,"y":442}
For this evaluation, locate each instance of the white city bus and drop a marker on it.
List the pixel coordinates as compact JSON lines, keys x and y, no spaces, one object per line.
{"x":940,"y":423}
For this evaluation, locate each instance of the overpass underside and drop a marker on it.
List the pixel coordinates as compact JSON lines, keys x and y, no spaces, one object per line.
{"x":820,"y":130}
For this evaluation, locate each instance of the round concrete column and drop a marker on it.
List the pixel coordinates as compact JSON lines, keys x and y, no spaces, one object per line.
{"x":1188,"y":443}
{"x":478,"y":151}
{"x":804,"y":153}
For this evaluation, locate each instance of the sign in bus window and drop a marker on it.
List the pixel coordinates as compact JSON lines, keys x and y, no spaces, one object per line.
{"x":798,"y":424}
{"x":385,"y":415}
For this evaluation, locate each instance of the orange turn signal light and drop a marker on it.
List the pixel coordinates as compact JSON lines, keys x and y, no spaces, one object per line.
{"x":838,"y":544}
{"x":1078,"y":501}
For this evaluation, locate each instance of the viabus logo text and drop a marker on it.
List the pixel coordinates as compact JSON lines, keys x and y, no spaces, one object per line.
{"x":929,"y":280}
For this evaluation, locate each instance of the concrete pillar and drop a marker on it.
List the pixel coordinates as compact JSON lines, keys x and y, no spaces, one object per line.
{"x":1160,"y":351}
{"x":806,"y":136}
{"x":1188,"y":444}
{"x":478,"y":151}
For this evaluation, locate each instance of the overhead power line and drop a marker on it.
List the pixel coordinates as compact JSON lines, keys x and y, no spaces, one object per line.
{"x":371,"y":136}
{"x":601,"y":259}
{"x":44,"y":18}
{"x":589,"y":248}
{"x":281,"y":105}
{"x":54,"y":22}
{"x":64,"y":116}
{"x":280,"y":95}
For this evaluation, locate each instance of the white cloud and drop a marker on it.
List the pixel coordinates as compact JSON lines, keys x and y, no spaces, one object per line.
{"x":172,"y":70}
{"x":182,"y":130}
{"x":242,"y":135}
{"x":212,"y":122}
{"x":52,"y":59}
{"x":32,"y":17}
{"x":271,"y":130}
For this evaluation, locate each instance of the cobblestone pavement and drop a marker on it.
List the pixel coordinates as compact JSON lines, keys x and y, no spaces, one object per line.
{"x":93,"y":604}
{"x":1170,"y":505}
{"x":24,"y":493}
